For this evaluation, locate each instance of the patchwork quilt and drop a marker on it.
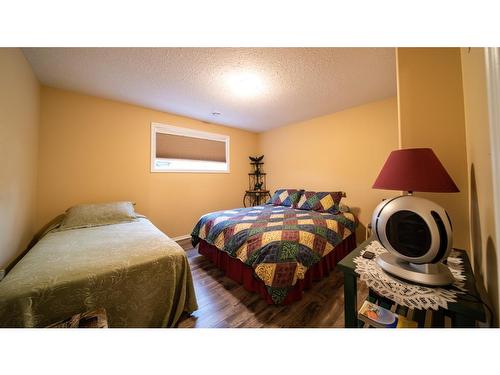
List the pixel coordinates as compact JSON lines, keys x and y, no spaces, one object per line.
{"x":279,"y":243}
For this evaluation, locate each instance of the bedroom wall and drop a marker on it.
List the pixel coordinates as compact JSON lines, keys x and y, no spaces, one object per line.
{"x":341,"y":151}
{"x":94,"y":150}
{"x":484,"y":248}
{"x":431,"y":112}
{"x":19,"y":110}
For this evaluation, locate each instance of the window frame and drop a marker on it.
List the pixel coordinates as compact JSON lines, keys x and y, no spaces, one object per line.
{"x":157,"y":127}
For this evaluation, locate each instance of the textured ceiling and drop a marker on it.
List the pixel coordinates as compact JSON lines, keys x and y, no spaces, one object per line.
{"x":297,"y":83}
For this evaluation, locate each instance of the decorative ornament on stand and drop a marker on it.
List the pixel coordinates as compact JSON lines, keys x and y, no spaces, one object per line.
{"x":257,"y":162}
{"x":256,"y":159}
{"x":257,"y":192}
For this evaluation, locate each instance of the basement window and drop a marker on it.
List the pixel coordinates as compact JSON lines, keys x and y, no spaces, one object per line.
{"x":175,"y":149}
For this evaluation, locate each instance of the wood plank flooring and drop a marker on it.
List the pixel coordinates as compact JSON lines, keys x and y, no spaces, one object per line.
{"x":224,"y":303}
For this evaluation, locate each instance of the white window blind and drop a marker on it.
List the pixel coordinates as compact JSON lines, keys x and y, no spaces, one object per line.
{"x":175,"y":149}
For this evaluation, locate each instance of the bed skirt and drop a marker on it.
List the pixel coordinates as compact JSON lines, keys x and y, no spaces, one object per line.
{"x":243,"y":274}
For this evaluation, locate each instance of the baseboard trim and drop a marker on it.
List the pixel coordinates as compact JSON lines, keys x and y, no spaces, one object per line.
{"x":184,"y":241}
{"x":181,"y":238}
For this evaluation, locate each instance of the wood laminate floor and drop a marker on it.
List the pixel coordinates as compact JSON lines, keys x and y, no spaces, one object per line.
{"x":224,"y":303}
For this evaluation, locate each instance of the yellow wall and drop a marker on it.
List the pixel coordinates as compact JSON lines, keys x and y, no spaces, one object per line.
{"x":94,"y":149}
{"x":19,"y":116}
{"x":431,"y":113}
{"x":342,"y":151}
{"x":482,"y":218}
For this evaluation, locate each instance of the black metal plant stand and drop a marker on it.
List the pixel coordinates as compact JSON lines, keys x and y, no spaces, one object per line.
{"x":256,"y":193}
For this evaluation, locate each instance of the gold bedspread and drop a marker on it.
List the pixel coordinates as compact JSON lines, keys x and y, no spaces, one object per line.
{"x":139,"y":275}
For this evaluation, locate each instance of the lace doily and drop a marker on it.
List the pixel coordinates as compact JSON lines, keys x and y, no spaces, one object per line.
{"x":410,"y":295}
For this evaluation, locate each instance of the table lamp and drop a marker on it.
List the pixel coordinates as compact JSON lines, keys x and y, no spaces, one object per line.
{"x":416,"y":232}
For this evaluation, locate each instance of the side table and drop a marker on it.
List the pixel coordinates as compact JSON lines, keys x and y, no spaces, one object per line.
{"x":463,"y":313}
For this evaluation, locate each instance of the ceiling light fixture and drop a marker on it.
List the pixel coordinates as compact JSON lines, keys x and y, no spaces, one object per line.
{"x":245,"y":84}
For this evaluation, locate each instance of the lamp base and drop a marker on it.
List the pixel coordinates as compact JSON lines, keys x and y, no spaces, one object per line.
{"x":434,"y":274}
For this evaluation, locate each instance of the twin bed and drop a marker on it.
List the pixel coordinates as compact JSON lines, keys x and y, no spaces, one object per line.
{"x":139,"y":275}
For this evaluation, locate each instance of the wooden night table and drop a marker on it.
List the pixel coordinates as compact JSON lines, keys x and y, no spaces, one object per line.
{"x":463,"y":313}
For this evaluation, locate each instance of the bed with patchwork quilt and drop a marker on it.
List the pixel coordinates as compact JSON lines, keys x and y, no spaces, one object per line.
{"x":282,"y":247}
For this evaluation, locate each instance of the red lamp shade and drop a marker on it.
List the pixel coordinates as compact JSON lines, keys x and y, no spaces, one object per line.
{"x":414,"y":169}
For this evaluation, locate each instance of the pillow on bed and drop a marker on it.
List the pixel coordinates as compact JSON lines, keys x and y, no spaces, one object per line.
{"x":95,"y":214}
{"x":285,"y":197}
{"x":320,"y":201}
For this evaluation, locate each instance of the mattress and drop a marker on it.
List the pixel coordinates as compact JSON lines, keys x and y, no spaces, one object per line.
{"x":133,"y":270}
{"x":279,"y":243}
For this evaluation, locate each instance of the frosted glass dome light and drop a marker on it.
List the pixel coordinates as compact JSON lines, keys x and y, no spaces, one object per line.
{"x":245,"y":84}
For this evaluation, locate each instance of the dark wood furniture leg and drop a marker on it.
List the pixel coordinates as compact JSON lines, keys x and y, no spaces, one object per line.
{"x":462,"y":321}
{"x":438,"y":318}
{"x":419,"y":317}
{"x":350,"y":304}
